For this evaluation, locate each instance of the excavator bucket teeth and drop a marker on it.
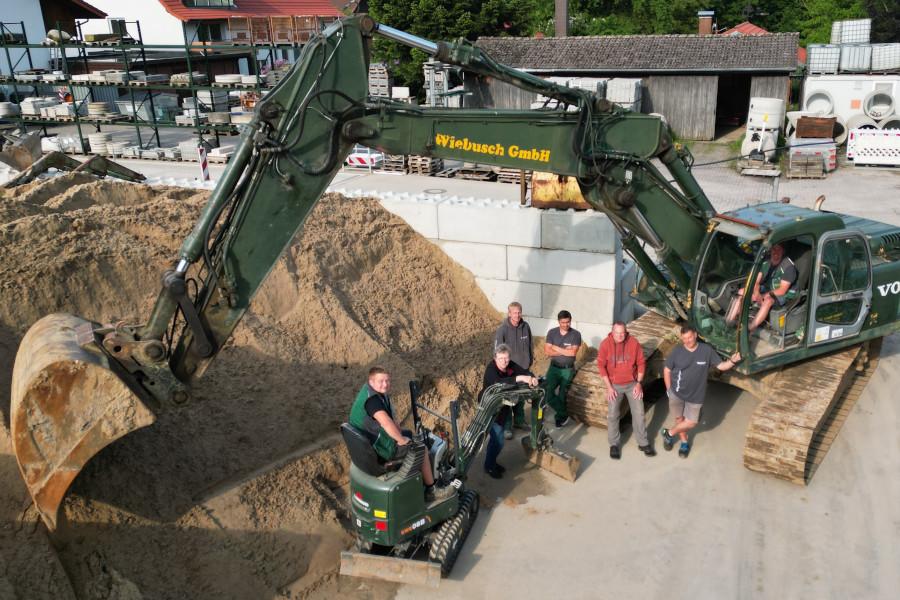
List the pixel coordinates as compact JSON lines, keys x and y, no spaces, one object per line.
{"x":388,"y":568}
{"x":66,"y":406}
{"x":556,"y":461}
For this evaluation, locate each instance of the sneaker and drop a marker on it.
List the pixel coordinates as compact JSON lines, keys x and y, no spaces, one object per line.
{"x":494,"y":472}
{"x":436,"y":494}
{"x":668,"y":440}
{"x":562,"y":422}
{"x":507,"y":434}
{"x":500,"y":468}
{"x":615,"y":453}
{"x":647,"y":450}
{"x":684,"y":450}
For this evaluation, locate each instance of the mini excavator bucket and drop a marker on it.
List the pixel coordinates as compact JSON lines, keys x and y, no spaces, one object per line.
{"x":67,"y":405}
{"x":389,"y":568}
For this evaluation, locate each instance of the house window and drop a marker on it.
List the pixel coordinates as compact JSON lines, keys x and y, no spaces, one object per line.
{"x":209,"y":32}
{"x":209,"y":3}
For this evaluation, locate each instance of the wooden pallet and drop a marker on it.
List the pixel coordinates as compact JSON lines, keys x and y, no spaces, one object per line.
{"x":806,"y":167}
{"x":395,"y":163}
{"x":512,"y":176}
{"x":450,"y":172}
{"x":477,"y":173}
{"x":425,"y":165}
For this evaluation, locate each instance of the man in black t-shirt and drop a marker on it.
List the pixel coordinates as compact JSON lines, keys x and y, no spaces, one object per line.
{"x":501,"y":370}
{"x":687,"y":367}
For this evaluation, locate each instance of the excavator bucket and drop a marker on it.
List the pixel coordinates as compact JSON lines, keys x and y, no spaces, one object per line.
{"x":66,"y":406}
{"x":550,"y":459}
{"x":388,"y":568}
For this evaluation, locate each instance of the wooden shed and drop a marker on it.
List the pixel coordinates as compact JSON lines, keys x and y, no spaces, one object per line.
{"x":696,"y":81}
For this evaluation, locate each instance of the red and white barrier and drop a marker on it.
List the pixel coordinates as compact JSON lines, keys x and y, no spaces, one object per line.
{"x":204,"y":164}
{"x":364,"y":160}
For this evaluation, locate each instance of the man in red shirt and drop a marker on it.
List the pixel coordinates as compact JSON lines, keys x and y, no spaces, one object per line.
{"x":620,"y":361}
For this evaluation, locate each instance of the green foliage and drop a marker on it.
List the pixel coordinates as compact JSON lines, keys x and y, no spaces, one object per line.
{"x":470,"y":19}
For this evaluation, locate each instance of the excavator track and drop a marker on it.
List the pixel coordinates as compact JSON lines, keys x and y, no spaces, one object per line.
{"x":800,"y":411}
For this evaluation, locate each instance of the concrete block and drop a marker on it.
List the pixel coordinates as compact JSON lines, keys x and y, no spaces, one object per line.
{"x":483,"y":260}
{"x":489,"y":223}
{"x":562,"y":267}
{"x":500,"y":293}
{"x":421,"y":216}
{"x":586,"y":304}
{"x":540,"y":326}
{"x":594,"y":333}
{"x":586,"y":231}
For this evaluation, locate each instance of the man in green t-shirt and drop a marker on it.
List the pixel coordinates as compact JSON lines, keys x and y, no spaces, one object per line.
{"x":373,"y":415}
{"x":776,"y":286}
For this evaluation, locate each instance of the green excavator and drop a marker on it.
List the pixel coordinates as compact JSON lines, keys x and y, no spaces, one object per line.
{"x":79,"y":385}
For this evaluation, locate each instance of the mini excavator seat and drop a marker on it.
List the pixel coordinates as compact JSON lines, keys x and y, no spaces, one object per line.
{"x":363,"y":455}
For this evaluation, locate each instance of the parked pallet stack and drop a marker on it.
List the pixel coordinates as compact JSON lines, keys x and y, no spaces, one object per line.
{"x":512,"y":176}
{"x":379,"y":80}
{"x":425,"y":165}
{"x":806,"y":166}
{"x":394,"y":163}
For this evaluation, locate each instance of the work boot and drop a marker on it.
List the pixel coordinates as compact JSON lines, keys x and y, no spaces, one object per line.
{"x":523,"y":426}
{"x":562,"y":422}
{"x":668,"y":440}
{"x":494,"y":472}
{"x":615,"y":452}
{"x":647,"y":450}
{"x":500,"y":468}
{"x":507,"y":434}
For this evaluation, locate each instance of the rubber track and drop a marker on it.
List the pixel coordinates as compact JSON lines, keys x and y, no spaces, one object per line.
{"x":450,"y":536}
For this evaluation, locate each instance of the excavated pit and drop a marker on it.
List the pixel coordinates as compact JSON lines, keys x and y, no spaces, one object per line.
{"x":239,"y":493}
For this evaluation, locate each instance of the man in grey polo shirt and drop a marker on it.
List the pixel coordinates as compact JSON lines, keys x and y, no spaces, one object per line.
{"x":687,"y":367}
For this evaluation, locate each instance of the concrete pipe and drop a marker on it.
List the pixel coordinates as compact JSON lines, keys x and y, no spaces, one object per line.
{"x":840,"y":130}
{"x":861,"y":122}
{"x":890,"y":123}
{"x":819,"y":102}
{"x":878,"y":105}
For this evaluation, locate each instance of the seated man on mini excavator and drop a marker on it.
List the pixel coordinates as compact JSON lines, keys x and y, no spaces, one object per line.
{"x":776,"y":286}
{"x":373,"y":415}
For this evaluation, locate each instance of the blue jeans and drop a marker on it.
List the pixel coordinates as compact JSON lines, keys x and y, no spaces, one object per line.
{"x":495,"y":445}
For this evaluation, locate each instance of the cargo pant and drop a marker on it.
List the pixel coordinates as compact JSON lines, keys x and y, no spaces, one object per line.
{"x":615,"y":414}
{"x":556,"y":384}
{"x":518,"y":416}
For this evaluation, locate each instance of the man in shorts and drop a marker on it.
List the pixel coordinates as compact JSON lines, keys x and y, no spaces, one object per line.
{"x":687,"y":367}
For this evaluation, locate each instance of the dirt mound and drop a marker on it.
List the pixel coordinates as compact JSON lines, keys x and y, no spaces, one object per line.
{"x":190,"y":507}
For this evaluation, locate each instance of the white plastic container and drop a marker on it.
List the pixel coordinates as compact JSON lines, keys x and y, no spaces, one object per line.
{"x":856,"y":58}
{"x":885,"y":57}
{"x":765,"y":113}
{"x":760,"y":141}
{"x":823,"y":58}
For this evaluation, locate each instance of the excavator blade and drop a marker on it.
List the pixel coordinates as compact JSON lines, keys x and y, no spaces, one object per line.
{"x":556,"y":461}
{"x":66,"y":406}
{"x":388,"y":568}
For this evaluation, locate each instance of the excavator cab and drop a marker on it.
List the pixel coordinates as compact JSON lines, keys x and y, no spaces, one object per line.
{"x":827,"y":302}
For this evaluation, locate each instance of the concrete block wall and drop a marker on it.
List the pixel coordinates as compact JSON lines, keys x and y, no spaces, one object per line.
{"x":546,"y":259}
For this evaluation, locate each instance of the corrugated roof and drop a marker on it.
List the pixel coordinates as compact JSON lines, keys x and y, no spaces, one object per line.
{"x":87,"y":10}
{"x":647,"y":53}
{"x":253,"y":8}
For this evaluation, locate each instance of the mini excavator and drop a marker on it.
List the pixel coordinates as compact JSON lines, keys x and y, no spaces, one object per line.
{"x":79,"y":385}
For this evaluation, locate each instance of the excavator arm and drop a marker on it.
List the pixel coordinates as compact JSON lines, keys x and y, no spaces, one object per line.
{"x":79,"y":385}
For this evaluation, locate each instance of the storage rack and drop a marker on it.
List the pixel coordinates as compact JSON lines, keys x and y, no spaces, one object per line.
{"x":259,"y":51}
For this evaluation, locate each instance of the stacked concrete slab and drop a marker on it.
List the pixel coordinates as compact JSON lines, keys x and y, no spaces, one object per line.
{"x":548,"y":260}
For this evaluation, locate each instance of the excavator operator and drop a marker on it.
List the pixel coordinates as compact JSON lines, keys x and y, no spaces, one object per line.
{"x":373,"y":415}
{"x":776,"y":286}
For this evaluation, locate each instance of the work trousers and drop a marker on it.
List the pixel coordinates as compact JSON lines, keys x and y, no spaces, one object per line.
{"x":495,"y":445}
{"x":518,"y":416}
{"x":615,"y":414}
{"x":556,"y":384}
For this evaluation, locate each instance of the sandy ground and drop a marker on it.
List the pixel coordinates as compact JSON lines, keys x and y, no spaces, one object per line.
{"x":213,"y":501}
{"x":197,"y":506}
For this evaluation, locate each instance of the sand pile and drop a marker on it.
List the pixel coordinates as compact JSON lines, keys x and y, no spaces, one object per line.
{"x":191,"y":507}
